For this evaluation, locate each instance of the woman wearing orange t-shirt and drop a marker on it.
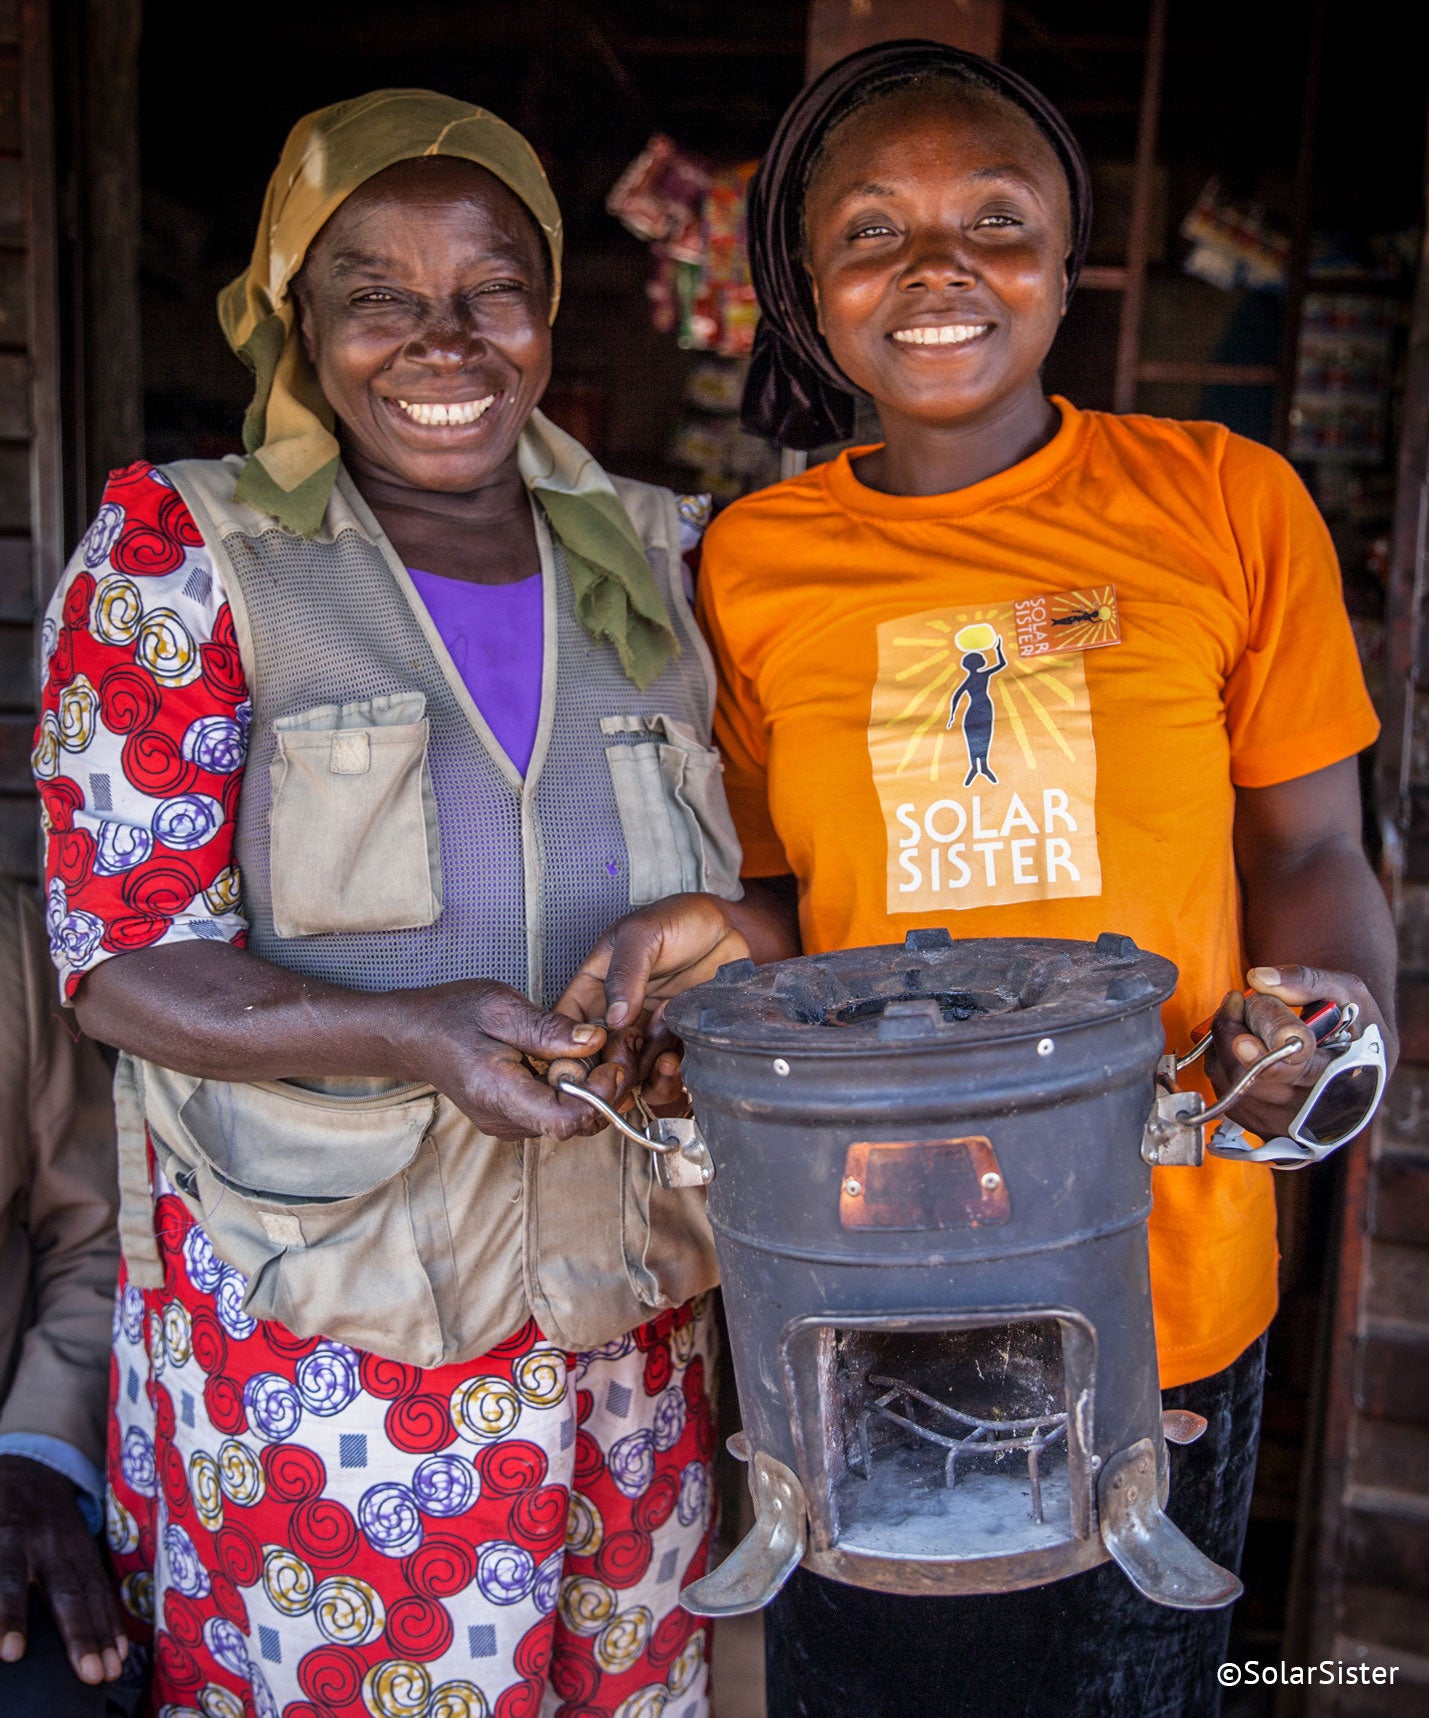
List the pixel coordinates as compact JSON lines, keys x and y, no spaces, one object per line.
{"x":1024,"y":671}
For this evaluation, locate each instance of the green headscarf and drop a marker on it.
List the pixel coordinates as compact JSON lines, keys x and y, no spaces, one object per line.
{"x":293,"y":454}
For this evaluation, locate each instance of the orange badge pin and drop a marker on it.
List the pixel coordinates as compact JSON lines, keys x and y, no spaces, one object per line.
{"x":1063,"y":621}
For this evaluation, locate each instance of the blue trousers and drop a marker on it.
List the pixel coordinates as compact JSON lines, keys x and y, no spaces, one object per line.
{"x":1087,"y":1645}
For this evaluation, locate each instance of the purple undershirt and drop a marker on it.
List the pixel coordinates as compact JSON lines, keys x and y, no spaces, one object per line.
{"x":495,"y":636}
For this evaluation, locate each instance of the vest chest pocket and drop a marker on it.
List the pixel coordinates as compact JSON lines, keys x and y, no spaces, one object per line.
{"x":669,"y":792}
{"x":353,"y":835}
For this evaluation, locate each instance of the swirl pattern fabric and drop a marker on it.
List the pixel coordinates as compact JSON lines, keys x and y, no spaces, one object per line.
{"x":794,"y":392}
{"x":140,"y":760}
{"x":300,"y":1529}
{"x":142,"y":738}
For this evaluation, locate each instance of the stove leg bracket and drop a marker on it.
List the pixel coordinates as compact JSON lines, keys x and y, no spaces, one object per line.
{"x":767,"y":1555}
{"x":1151,"y":1550}
{"x":1181,"y":1426}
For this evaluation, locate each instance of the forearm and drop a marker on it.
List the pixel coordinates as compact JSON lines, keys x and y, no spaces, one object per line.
{"x":1323,"y":908}
{"x":212,"y":1010}
{"x":767,"y":918}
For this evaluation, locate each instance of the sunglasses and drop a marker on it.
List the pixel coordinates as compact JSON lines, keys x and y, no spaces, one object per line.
{"x":1340,"y":1104}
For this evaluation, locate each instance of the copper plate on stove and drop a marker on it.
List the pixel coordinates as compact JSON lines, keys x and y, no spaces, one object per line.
{"x":922,"y":1184}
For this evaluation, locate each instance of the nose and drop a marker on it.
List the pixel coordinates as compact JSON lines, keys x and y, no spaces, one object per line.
{"x":939,"y":263}
{"x":447,"y":338}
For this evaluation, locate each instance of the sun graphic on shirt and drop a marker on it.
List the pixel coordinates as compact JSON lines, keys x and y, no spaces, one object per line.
{"x":1084,"y":620}
{"x":1033,"y":697}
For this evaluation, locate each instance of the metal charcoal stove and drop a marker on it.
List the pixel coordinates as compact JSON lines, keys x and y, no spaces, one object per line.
{"x":929,"y":1190}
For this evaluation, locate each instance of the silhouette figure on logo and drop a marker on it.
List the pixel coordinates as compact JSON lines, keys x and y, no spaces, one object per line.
{"x":978,"y":717}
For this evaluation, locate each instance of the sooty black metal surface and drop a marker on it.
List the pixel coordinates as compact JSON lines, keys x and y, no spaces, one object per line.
{"x":930,"y":1207}
{"x":997,"y":988}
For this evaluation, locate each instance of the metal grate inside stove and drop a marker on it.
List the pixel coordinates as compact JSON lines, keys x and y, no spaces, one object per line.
{"x":963,"y":1435}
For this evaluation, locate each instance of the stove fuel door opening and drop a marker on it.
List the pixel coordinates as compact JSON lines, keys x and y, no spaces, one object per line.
{"x":943,"y":1439}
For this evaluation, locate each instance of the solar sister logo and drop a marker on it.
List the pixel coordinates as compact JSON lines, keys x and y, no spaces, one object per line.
{"x":982,"y":750}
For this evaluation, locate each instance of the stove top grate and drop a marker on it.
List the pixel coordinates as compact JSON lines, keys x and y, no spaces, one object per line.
{"x":968,"y":1435}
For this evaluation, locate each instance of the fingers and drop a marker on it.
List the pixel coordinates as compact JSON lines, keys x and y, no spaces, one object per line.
{"x":664,"y":1091}
{"x":1298,"y":985}
{"x":14,"y":1595}
{"x":1269,"y":1025}
{"x":506,"y":1015}
{"x":692,"y":938}
{"x":659,"y":1041}
{"x":634,"y":950}
{"x":611,"y":1081}
{"x":482,"y":1071}
{"x":1227,"y":1028}
{"x":104,"y":1607}
{"x":623,"y":1056}
{"x":656,"y":951}
{"x":1246,"y":1028}
{"x":618,"y":1069}
{"x":584,"y":997}
{"x":1291,"y":987}
{"x":1244,"y":1031}
{"x":508,"y":1101}
{"x":77,"y":1587}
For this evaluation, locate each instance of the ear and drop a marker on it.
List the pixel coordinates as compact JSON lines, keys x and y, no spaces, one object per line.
{"x":814,"y":291}
{"x":298,"y":294}
{"x":1066,"y":285}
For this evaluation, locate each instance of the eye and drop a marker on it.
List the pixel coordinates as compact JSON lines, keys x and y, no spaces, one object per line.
{"x":871,"y":230}
{"x":999,"y":220}
{"x":376,"y":295}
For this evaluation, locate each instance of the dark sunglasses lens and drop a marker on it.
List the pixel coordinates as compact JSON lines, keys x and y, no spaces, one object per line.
{"x":1341,"y":1109}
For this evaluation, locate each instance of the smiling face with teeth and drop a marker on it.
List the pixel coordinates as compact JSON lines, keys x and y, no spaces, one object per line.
{"x":424,"y":304}
{"x":937,"y":226}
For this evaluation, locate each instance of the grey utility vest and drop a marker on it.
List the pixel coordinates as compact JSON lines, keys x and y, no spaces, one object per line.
{"x":385,"y":841}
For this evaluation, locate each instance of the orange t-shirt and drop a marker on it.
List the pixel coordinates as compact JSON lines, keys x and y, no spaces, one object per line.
{"x":1023,"y":709}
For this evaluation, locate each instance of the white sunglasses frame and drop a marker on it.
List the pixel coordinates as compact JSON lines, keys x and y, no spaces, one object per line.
{"x":1293,"y":1151}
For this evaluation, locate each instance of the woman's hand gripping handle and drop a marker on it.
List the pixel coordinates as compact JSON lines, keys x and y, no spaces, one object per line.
{"x":1247,"y":1026}
{"x":656,"y":952}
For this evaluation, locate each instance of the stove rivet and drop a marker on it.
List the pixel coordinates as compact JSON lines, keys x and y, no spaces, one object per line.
{"x":780,"y":1065}
{"x":853,"y":1187}
{"x":1046,"y":1047}
{"x":992,"y":1181}
{"x":1096,"y":1463}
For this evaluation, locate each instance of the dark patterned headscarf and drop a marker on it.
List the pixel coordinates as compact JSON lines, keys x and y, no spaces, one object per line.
{"x":795,"y":393}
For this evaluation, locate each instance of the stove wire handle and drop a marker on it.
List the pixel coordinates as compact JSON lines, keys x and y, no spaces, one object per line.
{"x":1331,"y":1025}
{"x":1247,"y":1079}
{"x":572,"y":1089}
{"x":1175,"y":1130}
{"x":682,"y":1158}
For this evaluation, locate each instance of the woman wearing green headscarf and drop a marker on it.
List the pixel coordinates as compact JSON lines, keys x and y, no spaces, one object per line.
{"x":350,"y":750}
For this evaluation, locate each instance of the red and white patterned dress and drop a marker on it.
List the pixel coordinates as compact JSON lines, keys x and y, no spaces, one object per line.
{"x":301,"y":1528}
